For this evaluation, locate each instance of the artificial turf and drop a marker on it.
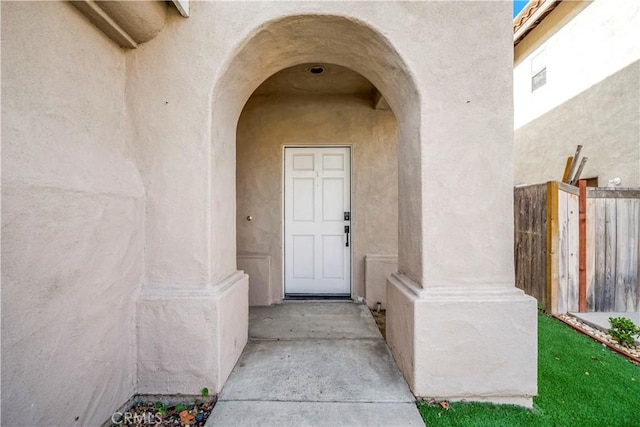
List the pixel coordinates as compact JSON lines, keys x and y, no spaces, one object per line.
{"x":580,"y":383}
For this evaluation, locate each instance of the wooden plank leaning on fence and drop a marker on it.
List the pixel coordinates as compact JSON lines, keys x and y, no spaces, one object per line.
{"x":567,"y":169}
{"x":574,"y":164}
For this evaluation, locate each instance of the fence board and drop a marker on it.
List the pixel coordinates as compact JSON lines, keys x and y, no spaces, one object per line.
{"x":600,"y":245}
{"x":563,"y":249}
{"x":610,"y":242}
{"x":538,"y":218}
{"x":573,"y":260}
{"x":626,"y":255}
{"x":544,"y":296}
{"x":530,"y":236}
{"x":529,"y":239}
{"x":568,"y":263}
{"x":634,"y":256}
{"x":591,"y":255}
{"x":526,"y":240}
{"x":622,"y":255}
{"x":613,"y":193}
{"x":551,"y":255}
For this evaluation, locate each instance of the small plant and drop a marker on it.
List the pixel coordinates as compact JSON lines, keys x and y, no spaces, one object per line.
{"x":205,"y":392}
{"x":161,"y":408}
{"x":180,"y":407}
{"x":623,"y":330}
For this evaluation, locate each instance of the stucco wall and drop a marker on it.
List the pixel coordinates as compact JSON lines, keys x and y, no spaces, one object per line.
{"x":73,"y":210}
{"x":591,"y":53}
{"x":72,"y":217}
{"x":195,"y":78}
{"x":604,"y":118}
{"x":270,"y":122}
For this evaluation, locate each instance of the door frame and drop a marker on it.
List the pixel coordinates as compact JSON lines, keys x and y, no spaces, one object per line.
{"x":283,"y":212}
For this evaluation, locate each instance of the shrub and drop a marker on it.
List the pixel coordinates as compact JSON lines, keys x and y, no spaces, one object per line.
{"x":623,"y":330}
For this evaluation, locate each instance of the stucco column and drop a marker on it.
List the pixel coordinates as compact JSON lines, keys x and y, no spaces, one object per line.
{"x":191,"y":334}
{"x":457,"y":326}
{"x":192,"y":310}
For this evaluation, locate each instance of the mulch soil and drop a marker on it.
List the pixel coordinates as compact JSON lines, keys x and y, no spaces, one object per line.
{"x":381,"y":320}
{"x":145,"y":414}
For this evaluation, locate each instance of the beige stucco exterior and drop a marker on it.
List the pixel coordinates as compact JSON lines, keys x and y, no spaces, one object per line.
{"x":73,"y":213}
{"x":591,"y":97}
{"x":271,"y":122}
{"x":119,"y":219}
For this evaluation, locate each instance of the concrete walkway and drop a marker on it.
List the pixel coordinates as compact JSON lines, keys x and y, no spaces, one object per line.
{"x":315,"y":364}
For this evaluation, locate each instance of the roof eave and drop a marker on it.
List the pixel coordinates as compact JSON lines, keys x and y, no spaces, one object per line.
{"x":531,"y":16}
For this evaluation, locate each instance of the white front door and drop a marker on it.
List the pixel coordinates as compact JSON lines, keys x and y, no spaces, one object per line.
{"x":317,"y":199}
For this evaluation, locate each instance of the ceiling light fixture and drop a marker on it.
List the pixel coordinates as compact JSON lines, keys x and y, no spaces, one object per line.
{"x":316,"y":69}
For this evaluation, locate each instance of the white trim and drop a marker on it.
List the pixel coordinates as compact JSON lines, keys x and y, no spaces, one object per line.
{"x":182,"y":6}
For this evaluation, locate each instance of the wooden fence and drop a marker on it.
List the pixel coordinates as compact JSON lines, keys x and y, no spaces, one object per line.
{"x":547,"y":247}
{"x":530,"y":216}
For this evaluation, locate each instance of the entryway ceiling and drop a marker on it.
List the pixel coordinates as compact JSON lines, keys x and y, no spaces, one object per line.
{"x":299,"y":80}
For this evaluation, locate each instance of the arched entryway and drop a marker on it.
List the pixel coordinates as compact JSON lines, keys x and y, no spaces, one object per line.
{"x":336,"y":41}
{"x":324,"y":223}
{"x":454,"y":260}
{"x":347,"y":43}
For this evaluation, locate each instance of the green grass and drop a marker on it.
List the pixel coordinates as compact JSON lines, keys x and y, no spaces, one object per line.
{"x":580,"y":383}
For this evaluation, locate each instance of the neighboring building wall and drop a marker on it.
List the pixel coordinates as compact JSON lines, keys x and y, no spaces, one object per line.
{"x":591,"y":52}
{"x":604,"y":119}
{"x":270,"y":122}
{"x":72,"y":221}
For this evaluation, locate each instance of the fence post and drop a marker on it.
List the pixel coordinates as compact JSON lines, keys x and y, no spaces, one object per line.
{"x":582,"y":249}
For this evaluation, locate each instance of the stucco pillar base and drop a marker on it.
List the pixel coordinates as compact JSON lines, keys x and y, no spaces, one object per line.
{"x":469,"y":343}
{"x":190,"y":336}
